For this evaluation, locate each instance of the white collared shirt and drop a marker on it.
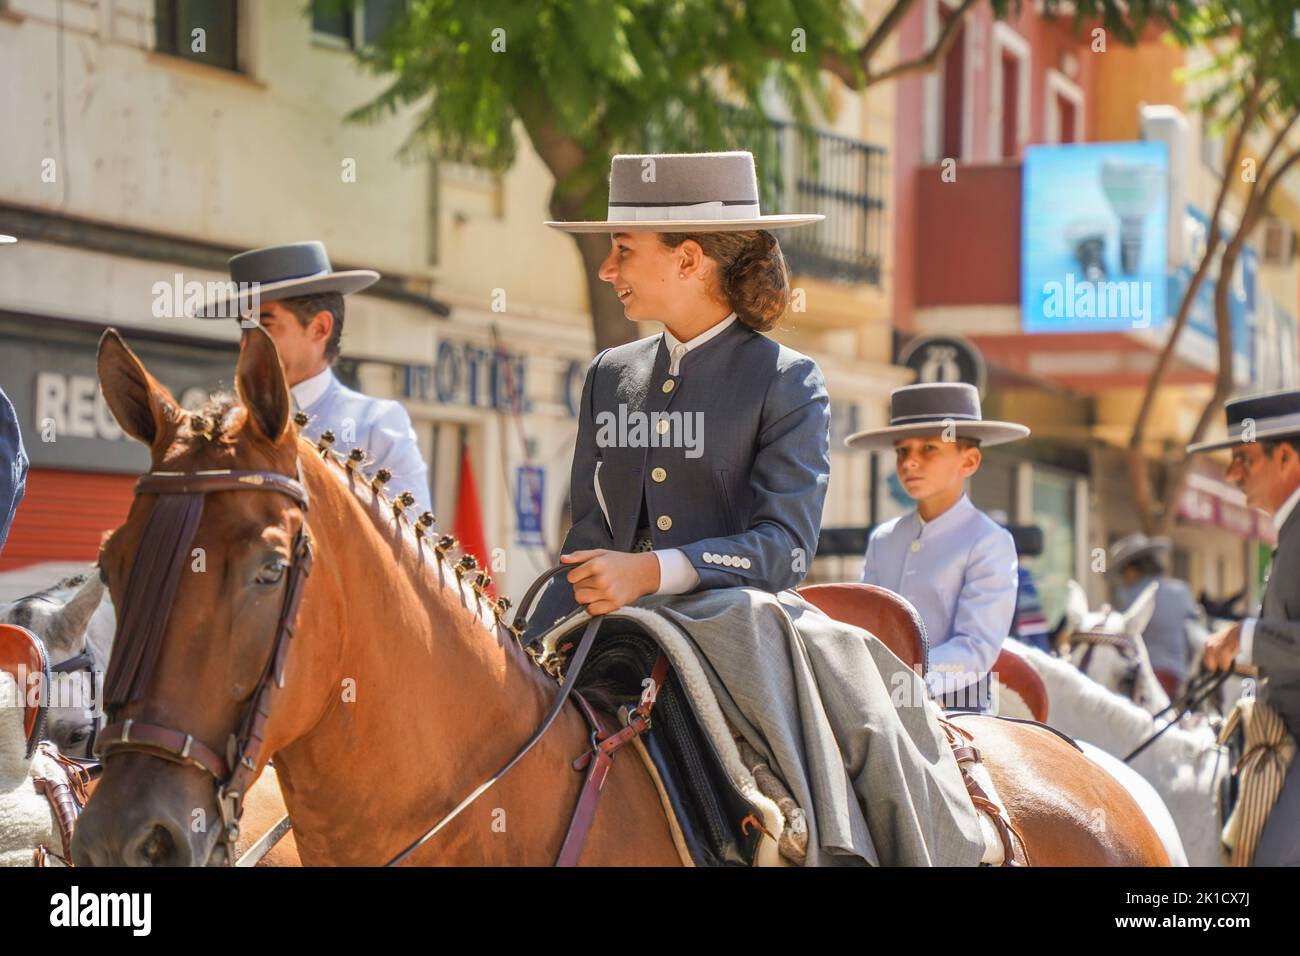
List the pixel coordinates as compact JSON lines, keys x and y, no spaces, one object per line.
{"x":1246,"y":645}
{"x":309,"y":390}
{"x":1284,"y":512}
{"x":677,"y":350}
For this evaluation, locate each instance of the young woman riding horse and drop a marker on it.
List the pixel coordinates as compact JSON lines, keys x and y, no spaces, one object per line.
{"x":381,"y":683}
{"x":400,"y":691}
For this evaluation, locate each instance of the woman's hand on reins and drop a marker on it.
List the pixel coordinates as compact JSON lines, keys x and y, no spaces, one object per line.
{"x":607,"y":580}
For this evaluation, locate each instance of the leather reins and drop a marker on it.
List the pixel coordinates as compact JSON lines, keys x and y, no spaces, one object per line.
{"x":142,"y":622}
{"x":151,"y":587}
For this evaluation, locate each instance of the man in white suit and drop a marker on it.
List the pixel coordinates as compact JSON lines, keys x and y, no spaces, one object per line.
{"x":301,"y":307}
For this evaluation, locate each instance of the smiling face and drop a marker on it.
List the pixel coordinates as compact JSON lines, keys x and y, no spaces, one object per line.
{"x":647,"y":275}
{"x":928,"y":466}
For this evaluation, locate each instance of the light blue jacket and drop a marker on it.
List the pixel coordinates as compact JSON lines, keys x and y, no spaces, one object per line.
{"x":961,"y":573}
{"x":379,"y":425}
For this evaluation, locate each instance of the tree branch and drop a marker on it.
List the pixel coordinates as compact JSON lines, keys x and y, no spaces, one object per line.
{"x":880,"y":35}
{"x":1224,"y":382}
{"x":1139,"y":473}
{"x":858,"y":76}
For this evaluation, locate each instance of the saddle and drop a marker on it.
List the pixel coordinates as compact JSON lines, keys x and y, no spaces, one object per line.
{"x":893,"y":620}
{"x":717,"y":824}
{"x":23,"y":654}
{"x":889,"y":616}
{"x":1018,"y":676}
{"x":60,"y":780}
{"x":897,"y":625}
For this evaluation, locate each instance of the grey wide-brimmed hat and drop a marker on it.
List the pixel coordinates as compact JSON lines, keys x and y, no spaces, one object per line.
{"x":1131,"y":547}
{"x":1258,"y":418}
{"x":285,"y":271}
{"x":684,"y":192}
{"x":933,"y":407}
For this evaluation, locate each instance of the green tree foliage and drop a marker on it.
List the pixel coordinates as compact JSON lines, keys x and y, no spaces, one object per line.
{"x":585,"y":79}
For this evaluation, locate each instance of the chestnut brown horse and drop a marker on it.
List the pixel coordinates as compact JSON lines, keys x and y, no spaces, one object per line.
{"x":401,"y":692}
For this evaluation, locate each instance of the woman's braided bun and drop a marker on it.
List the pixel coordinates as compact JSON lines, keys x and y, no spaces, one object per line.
{"x":751,"y":272}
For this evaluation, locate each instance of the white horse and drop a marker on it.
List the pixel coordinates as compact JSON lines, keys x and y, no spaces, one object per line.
{"x":1107,"y":645}
{"x":72,"y":618}
{"x":1185,"y":765}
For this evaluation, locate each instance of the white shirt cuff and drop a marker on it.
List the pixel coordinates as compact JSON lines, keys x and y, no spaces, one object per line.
{"x":1247,"y":644}
{"x":676,"y":573}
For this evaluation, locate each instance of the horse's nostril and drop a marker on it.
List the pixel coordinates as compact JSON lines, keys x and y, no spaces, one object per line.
{"x":158,"y":847}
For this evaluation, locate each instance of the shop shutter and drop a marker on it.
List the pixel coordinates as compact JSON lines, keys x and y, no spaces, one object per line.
{"x":63,"y":516}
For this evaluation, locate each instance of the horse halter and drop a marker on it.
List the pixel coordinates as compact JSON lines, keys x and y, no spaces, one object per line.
{"x":160,"y":556}
{"x":1123,"y":643}
{"x":84,"y":663}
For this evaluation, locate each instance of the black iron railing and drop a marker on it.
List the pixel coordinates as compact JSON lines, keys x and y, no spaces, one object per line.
{"x":844,"y":180}
{"x":803,"y":169}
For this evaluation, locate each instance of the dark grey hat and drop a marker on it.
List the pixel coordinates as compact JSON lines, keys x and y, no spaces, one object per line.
{"x":933,"y":407}
{"x":285,"y":271}
{"x":1131,"y":547}
{"x":1258,"y":418}
{"x":684,"y":192}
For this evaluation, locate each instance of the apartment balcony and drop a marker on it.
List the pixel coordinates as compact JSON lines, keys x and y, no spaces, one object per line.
{"x":844,"y":180}
{"x":807,"y":170}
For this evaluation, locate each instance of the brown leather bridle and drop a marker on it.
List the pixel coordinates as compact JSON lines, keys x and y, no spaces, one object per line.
{"x":160,"y":556}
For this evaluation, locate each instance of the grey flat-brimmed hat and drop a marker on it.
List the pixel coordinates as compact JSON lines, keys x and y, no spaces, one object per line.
{"x":285,"y":271}
{"x":684,"y":192}
{"x":1131,"y":547}
{"x":933,"y":407}
{"x":1257,"y":418}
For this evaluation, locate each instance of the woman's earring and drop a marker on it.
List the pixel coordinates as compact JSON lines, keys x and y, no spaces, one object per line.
{"x":681,"y":275}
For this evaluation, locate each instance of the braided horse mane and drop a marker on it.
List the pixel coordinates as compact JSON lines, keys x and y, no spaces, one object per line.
{"x":221,"y":417}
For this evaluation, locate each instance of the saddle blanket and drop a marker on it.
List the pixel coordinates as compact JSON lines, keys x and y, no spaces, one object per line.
{"x":849,"y":729}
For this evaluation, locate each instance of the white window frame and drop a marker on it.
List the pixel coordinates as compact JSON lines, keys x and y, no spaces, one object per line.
{"x":933,"y":88}
{"x":1060,"y":84}
{"x":1007,"y":40}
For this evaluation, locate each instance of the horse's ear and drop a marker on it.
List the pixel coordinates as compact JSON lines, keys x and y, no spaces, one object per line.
{"x":262,"y":387}
{"x":140,"y":403}
{"x":74,"y":617}
{"x":1138,"y":615}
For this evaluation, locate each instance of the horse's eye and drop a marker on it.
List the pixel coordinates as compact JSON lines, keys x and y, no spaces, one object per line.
{"x":272,"y":572}
{"x":79,"y":736}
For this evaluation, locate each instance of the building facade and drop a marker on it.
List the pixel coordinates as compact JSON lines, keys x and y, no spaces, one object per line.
{"x":138,"y":159}
{"x":989,"y":151}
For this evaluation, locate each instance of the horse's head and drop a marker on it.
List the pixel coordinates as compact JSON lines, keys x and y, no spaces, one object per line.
{"x":74,"y":620}
{"x":1108,"y":646}
{"x":199,"y":575}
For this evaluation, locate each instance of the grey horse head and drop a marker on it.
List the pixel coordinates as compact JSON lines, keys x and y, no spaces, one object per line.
{"x":74,"y":617}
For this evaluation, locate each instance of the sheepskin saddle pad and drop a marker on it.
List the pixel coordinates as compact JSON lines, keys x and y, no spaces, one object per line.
{"x":710,"y":810}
